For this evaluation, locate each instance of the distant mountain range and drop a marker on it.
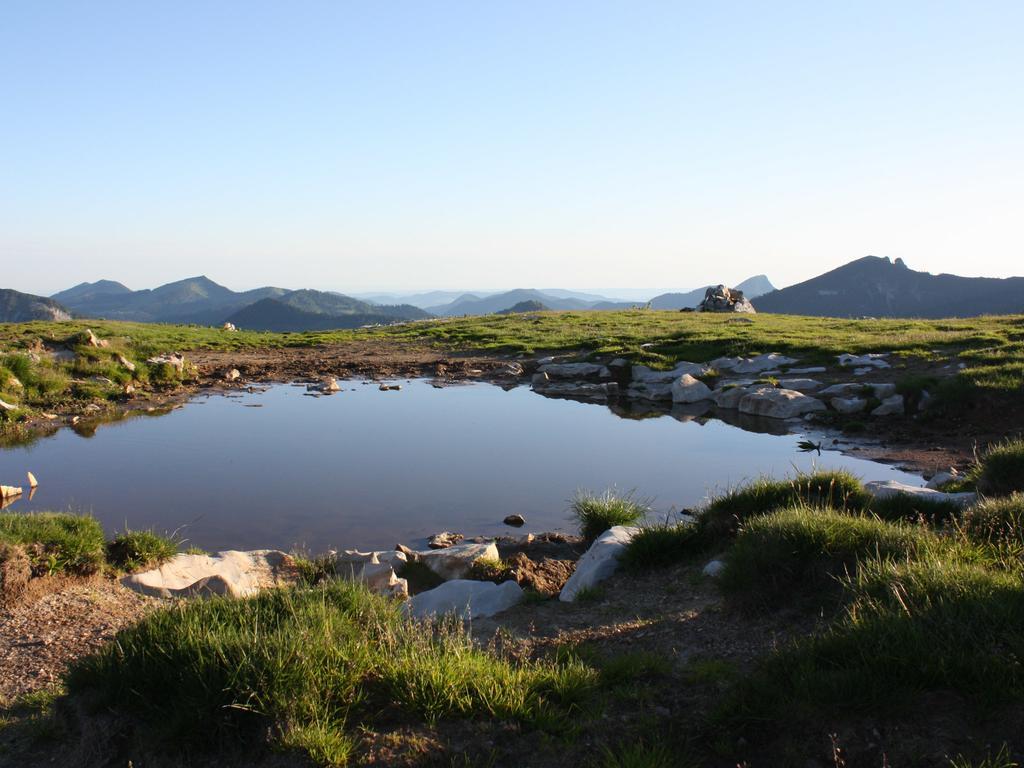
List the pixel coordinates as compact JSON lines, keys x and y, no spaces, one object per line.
{"x":17,"y":307}
{"x":524,"y":306}
{"x":202,"y":301}
{"x":877,"y":287}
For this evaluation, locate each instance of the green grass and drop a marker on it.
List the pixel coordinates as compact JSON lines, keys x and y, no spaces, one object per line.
{"x":997,"y":522}
{"x":1000,"y":470}
{"x":595,"y":513}
{"x":56,"y":543}
{"x":133,"y":550}
{"x":802,"y":552}
{"x":657,"y":546}
{"x":309,"y":667}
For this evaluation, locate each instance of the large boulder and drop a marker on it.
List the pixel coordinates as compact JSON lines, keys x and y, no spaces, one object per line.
{"x":465,"y":598}
{"x":599,"y":562}
{"x":882,"y":489}
{"x":455,"y":562}
{"x":729,"y":396}
{"x":232,"y":573}
{"x":779,"y":403}
{"x":723,"y":299}
{"x":687,"y":389}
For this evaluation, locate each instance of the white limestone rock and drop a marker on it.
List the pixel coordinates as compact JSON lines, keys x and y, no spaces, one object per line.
{"x":714,"y":568}
{"x":891,"y":406}
{"x":882,"y":489}
{"x":850,"y":389}
{"x":465,"y":598}
{"x":779,"y":403}
{"x":756,"y":364}
{"x":232,"y":573}
{"x":801,"y":384}
{"x":871,"y":360}
{"x":574,"y":370}
{"x":849,"y":405}
{"x":599,"y":562}
{"x":455,"y":562}
{"x":657,"y":385}
{"x":687,"y":389}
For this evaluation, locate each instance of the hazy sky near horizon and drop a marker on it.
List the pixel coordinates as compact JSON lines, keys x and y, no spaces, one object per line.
{"x":418,"y":145}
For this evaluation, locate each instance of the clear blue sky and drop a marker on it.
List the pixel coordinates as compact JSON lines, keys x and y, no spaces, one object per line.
{"x":422,"y":144}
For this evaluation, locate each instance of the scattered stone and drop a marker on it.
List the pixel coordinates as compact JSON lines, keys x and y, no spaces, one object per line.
{"x":411,"y":555}
{"x":454,"y":562}
{"x":872,"y":360}
{"x":512,"y":369}
{"x":756,"y":364}
{"x":891,"y":406}
{"x":9,"y":491}
{"x":389,"y":387}
{"x":377,"y":576}
{"x":229,"y":327}
{"x":941,"y":478}
{"x":813,"y":369}
{"x":849,"y":389}
{"x":599,"y":562}
{"x":779,"y":403}
{"x":546,"y":577}
{"x":714,"y":568}
{"x":515,"y":520}
{"x":232,"y":573}
{"x":444,"y":540}
{"x":93,"y":341}
{"x":32,"y":482}
{"x":882,"y":489}
{"x":125,"y":363}
{"x":330,"y":384}
{"x":7,"y":406}
{"x":465,"y":598}
{"x":174,"y":360}
{"x":730,"y":396}
{"x":723,"y":299}
{"x":233,"y":375}
{"x":687,"y":389}
{"x":882,"y":390}
{"x":849,"y":405}
{"x":801,"y":385}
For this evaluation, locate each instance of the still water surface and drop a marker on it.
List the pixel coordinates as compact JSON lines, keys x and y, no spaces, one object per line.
{"x":366,"y":468}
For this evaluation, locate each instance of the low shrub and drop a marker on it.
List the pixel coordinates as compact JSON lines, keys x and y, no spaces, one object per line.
{"x":802,"y":551}
{"x":595,"y":513}
{"x":308,"y":667}
{"x":132,"y":550}
{"x":56,"y":543}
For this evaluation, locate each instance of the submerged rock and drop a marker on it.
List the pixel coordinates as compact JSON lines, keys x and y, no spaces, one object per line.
{"x":599,"y":562}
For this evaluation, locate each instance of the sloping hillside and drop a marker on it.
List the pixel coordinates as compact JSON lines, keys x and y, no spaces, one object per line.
{"x":17,"y":307}
{"x":303,"y":313}
{"x":877,"y":287}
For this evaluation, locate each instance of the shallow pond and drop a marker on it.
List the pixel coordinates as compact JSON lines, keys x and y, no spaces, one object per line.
{"x":366,"y":468}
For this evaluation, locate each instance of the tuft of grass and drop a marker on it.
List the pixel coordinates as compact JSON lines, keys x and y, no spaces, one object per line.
{"x":1000,"y":470}
{"x":595,"y":513}
{"x":998,"y":522}
{"x":490,"y":569}
{"x":657,"y":546}
{"x":1001,"y":759}
{"x":309,"y":667}
{"x":56,"y":543}
{"x":643,"y":754}
{"x":837,"y":489}
{"x":132,"y":550}
{"x":902,"y":506}
{"x":801,"y":552}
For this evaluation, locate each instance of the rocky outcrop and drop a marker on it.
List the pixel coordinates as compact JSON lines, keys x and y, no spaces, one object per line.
{"x":723,"y":299}
{"x":465,"y":599}
{"x":599,"y":562}
{"x":777,"y":403}
{"x":231,"y":573}
{"x":649,"y":384}
{"x":546,"y":577}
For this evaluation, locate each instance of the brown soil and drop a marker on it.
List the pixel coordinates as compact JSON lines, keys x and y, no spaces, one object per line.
{"x":56,"y":621}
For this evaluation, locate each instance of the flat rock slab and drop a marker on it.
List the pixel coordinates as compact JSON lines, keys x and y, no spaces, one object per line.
{"x":232,"y":573}
{"x":465,"y":598}
{"x":882,"y":489}
{"x":599,"y":562}
{"x":756,"y":364}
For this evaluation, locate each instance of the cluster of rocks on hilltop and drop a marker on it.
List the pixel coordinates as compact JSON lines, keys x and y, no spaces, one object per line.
{"x":769,"y":385}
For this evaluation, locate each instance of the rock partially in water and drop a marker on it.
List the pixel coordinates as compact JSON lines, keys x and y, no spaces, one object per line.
{"x":232,"y":573}
{"x":444,"y":540}
{"x":465,"y":599}
{"x":779,"y":403}
{"x":657,"y":385}
{"x":599,"y":562}
{"x":455,"y":562}
{"x":515,"y":520}
{"x":688,"y":389}
{"x":574,"y":371}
